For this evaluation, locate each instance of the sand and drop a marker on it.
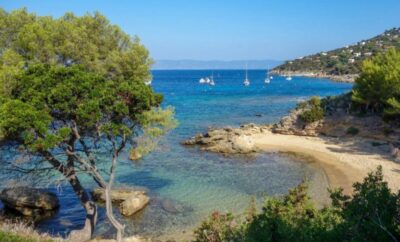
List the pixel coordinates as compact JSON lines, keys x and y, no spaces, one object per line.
{"x":344,"y":161}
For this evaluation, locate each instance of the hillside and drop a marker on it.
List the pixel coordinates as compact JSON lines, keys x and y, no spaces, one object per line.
{"x":342,"y":61}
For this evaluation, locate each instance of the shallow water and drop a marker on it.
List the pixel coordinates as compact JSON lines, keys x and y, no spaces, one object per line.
{"x":197,"y":183}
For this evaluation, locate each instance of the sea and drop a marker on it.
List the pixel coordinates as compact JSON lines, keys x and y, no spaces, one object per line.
{"x":186,"y":184}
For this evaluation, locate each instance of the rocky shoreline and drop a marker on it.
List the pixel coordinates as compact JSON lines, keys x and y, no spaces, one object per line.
{"x":348,"y":78}
{"x":346,"y":146}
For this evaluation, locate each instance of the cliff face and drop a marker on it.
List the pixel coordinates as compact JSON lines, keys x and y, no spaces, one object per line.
{"x":342,"y":61}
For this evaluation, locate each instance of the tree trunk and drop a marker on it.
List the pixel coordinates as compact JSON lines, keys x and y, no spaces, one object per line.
{"x":86,"y":232}
{"x":117,"y":225}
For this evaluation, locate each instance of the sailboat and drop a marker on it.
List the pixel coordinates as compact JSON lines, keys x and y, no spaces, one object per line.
{"x":246,"y":80}
{"x":268,"y":78}
{"x":289,"y":77}
{"x":212,"y":83}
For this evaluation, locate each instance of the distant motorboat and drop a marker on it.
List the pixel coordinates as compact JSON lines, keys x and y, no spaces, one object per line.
{"x":202,"y":81}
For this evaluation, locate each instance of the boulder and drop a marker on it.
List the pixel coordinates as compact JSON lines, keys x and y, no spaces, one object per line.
{"x":118,"y":195}
{"x":129,"y":200}
{"x":133,"y":204}
{"x":228,"y":140}
{"x":29,"y":201}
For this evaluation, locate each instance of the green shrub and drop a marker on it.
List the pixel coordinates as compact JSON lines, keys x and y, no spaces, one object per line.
{"x":313,"y":110}
{"x":219,"y":227}
{"x":352,"y":130}
{"x":372,"y":213}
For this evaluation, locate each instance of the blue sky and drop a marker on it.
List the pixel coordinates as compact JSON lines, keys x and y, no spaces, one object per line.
{"x":235,"y":29}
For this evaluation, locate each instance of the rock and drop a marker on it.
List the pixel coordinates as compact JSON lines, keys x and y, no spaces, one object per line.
{"x":171,"y":206}
{"x":29,"y":201}
{"x":129,"y":200}
{"x":133,"y":204}
{"x":118,"y":195}
{"x":228,"y":140}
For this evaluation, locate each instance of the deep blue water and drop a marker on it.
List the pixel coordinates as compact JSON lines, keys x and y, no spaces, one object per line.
{"x":199,"y":182}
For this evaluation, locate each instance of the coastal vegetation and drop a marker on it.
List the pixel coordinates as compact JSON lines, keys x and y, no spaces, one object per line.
{"x":346,"y":60}
{"x":372,"y":213}
{"x":377,"y":89}
{"x":73,"y":89}
{"x":313,"y":110}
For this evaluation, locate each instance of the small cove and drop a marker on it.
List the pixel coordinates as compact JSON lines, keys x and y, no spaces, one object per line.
{"x":185,"y":184}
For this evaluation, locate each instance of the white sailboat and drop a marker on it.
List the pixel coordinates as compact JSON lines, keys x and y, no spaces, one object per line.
{"x":268,"y":78}
{"x":289,"y":77}
{"x":246,"y":80}
{"x":212,"y":83}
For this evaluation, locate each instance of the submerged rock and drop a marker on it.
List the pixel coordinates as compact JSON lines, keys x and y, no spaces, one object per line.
{"x":172,"y":206}
{"x":29,"y":201}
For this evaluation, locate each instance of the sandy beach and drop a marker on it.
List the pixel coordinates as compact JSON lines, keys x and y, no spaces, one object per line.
{"x":344,"y":161}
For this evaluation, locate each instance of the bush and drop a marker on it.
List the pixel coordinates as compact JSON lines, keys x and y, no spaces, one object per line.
{"x":352,"y":130}
{"x":219,"y":227}
{"x":372,"y":213}
{"x":313,"y":110}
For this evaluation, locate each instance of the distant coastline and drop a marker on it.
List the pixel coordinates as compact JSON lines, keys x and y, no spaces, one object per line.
{"x":215,"y":64}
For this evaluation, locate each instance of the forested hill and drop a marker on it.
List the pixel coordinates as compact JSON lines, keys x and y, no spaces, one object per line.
{"x":342,"y":61}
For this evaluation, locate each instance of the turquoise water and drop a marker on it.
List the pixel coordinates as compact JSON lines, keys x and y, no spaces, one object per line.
{"x":197,"y":183}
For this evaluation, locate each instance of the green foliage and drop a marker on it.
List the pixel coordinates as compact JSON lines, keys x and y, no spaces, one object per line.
{"x":371,"y":214}
{"x":352,"y":130}
{"x":90,"y":41}
{"x":312,"y":110}
{"x":378,"y":87}
{"x":156,"y":122}
{"x":219,"y":227}
{"x":46,"y":94}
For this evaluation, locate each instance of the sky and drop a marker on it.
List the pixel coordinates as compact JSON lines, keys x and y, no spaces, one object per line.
{"x":235,"y":29}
